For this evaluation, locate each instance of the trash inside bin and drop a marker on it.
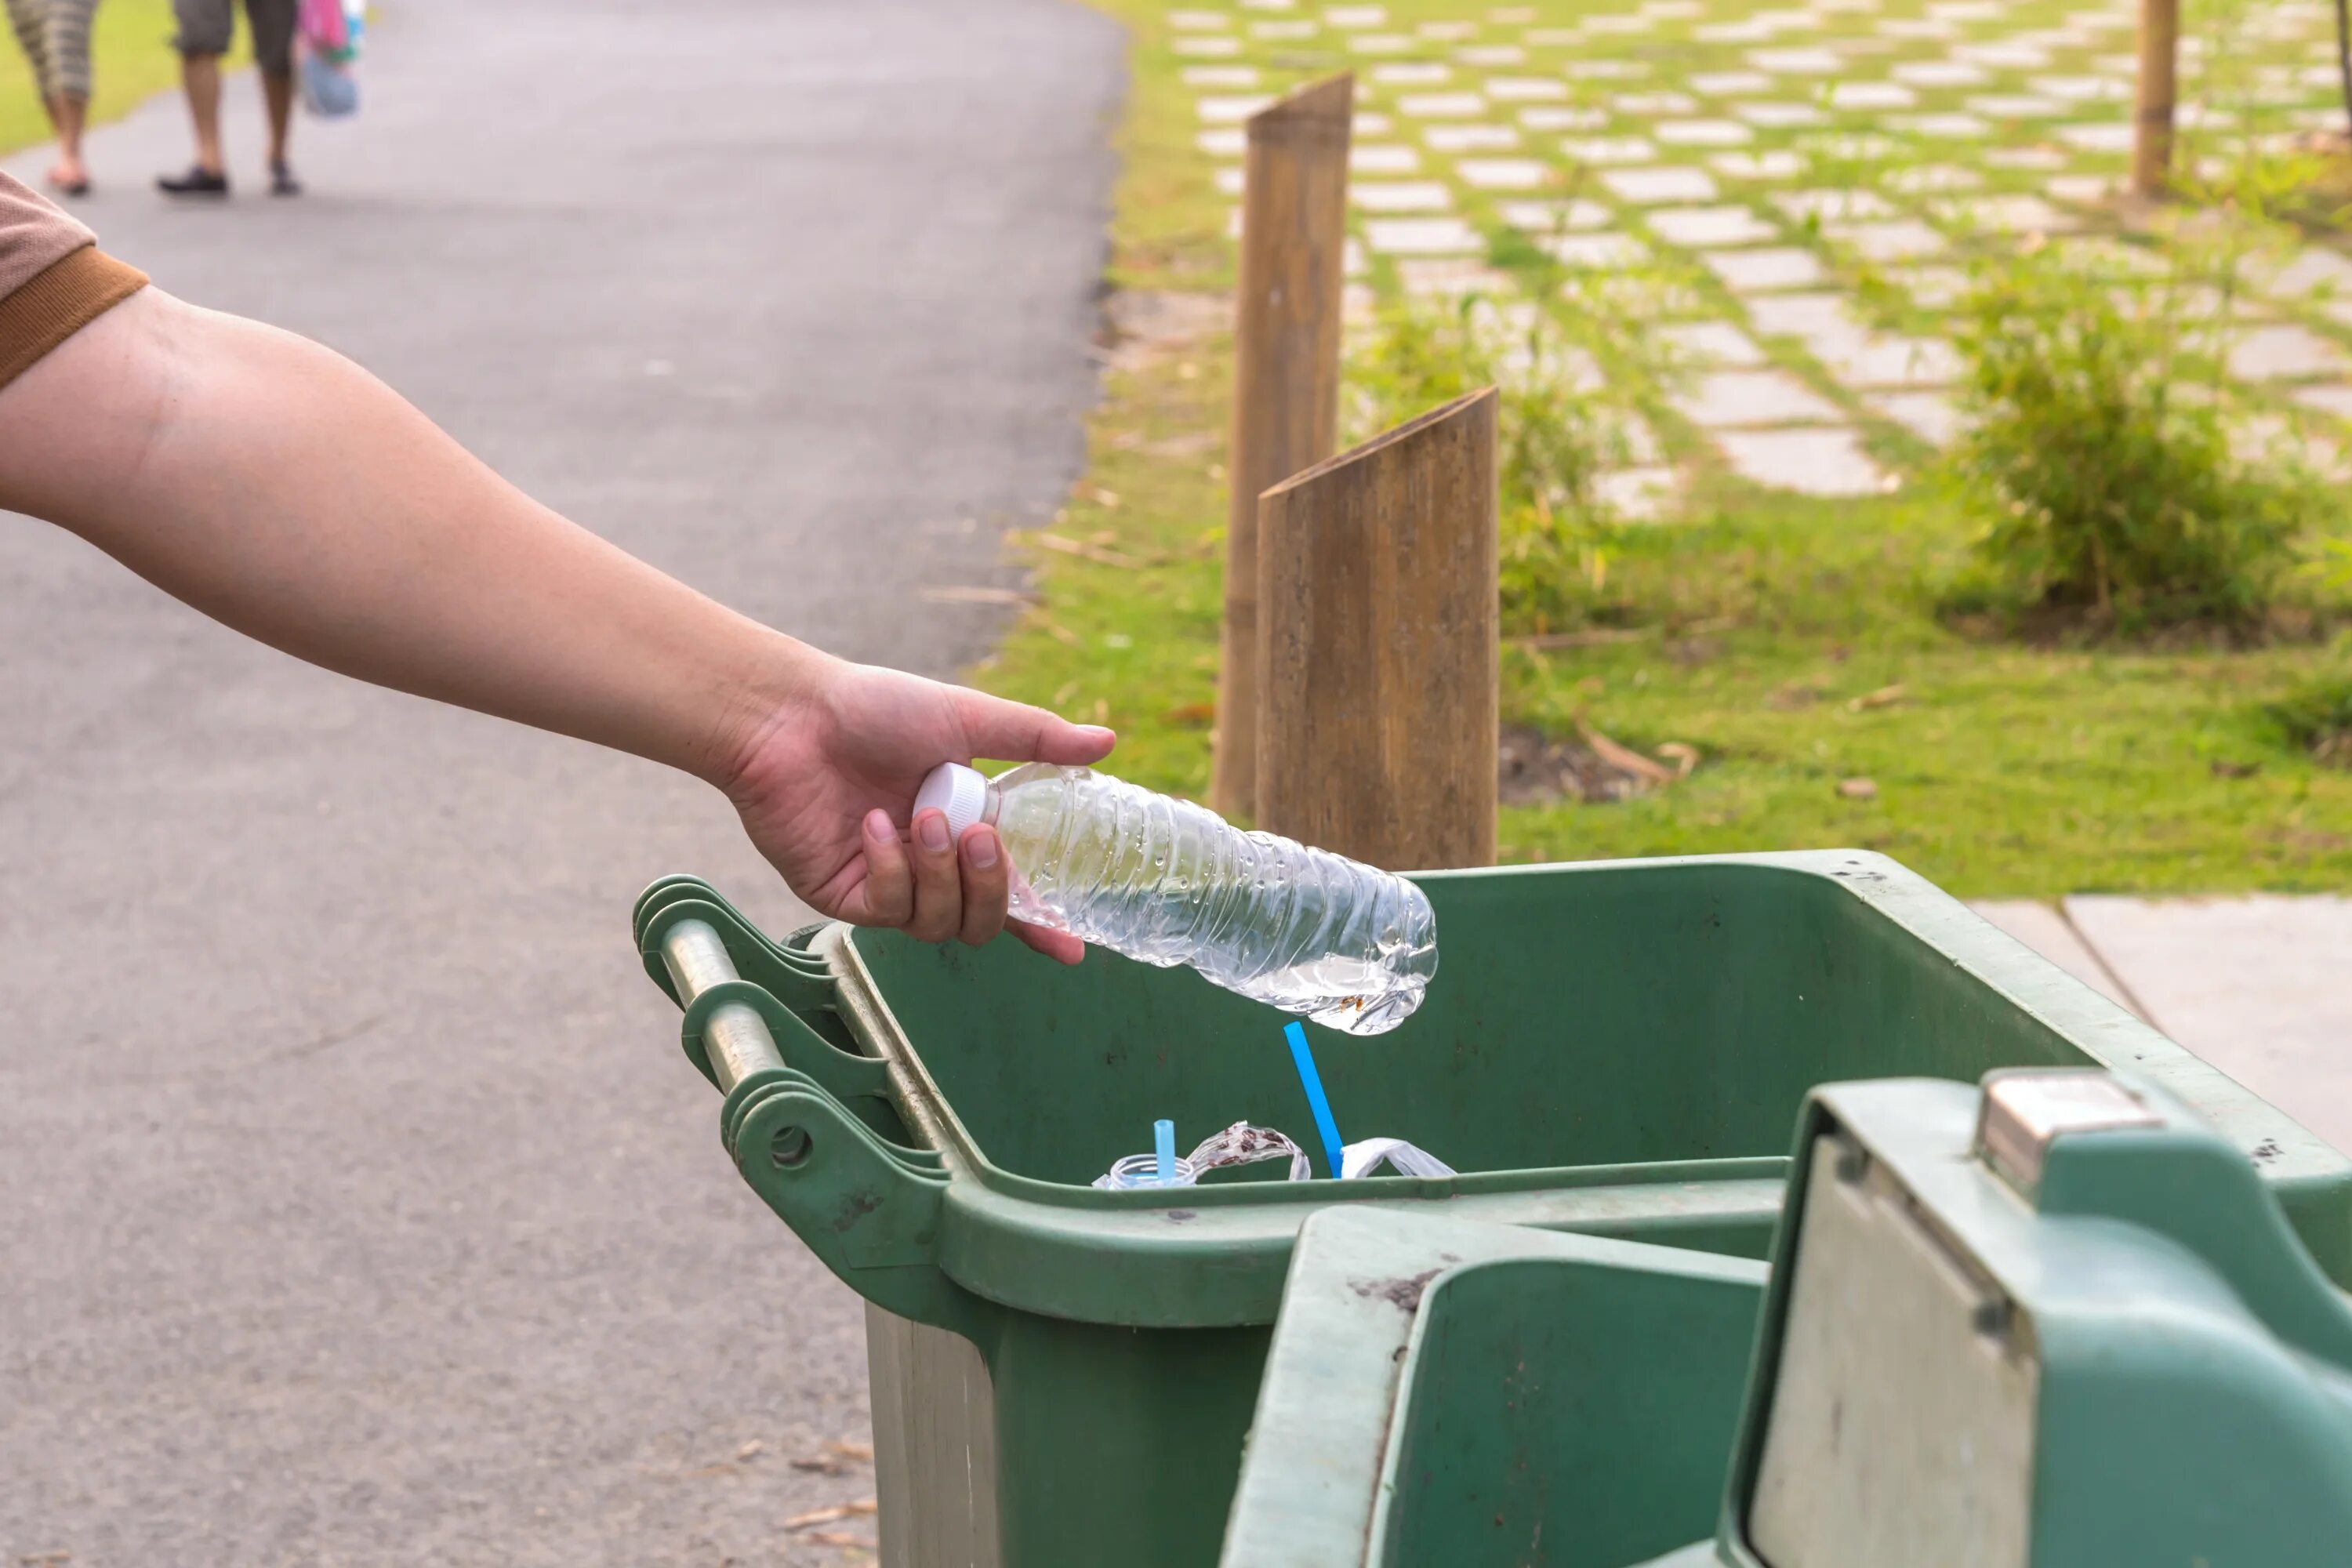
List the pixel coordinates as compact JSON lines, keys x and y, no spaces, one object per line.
{"x":1615,"y":1049}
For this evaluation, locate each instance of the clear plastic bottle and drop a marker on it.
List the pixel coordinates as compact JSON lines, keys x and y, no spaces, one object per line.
{"x":1169,"y":882}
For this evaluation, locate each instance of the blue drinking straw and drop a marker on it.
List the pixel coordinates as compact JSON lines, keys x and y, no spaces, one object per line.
{"x":1304,"y":1059}
{"x":1163,"y":1145}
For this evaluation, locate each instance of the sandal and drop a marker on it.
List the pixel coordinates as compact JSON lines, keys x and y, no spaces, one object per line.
{"x":198,"y":181}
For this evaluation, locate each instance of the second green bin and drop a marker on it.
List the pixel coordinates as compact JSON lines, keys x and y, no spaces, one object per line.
{"x":1613,"y":1048}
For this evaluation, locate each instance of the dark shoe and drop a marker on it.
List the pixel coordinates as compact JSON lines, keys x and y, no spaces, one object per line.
{"x":196,"y":182}
{"x":282,"y":182}
{"x":70,"y":187}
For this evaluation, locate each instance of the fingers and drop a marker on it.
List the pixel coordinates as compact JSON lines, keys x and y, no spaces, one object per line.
{"x":890,"y":887}
{"x":986,"y":884}
{"x":1058,"y":945}
{"x":1016,"y":732}
{"x":938,"y":891}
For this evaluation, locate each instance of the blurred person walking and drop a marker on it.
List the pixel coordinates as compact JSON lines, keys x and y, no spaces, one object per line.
{"x":55,"y":34}
{"x":205,"y":29}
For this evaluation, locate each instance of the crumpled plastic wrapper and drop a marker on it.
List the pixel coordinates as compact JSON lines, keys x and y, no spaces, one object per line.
{"x":1243,"y":1144}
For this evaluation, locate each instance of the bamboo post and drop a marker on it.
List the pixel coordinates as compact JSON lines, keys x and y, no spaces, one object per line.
{"x":1286,"y":371}
{"x":2159,"y":53}
{"x":1380,"y":648}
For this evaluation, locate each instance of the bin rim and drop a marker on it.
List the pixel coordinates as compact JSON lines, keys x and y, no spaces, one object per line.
{"x":1215,"y":1257}
{"x":2288,"y":1153}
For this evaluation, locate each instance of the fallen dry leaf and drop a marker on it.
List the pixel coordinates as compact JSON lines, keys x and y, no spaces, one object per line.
{"x":962,"y":594}
{"x":1883,"y":697}
{"x":1857,"y":789}
{"x":849,"y":1448}
{"x":752,"y":1450}
{"x":1097,"y":553}
{"x":1192,"y":715}
{"x":1624,"y":757}
{"x":836,"y":1538}
{"x":1106,"y":498}
{"x":822,"y":1464}
{"x":2229,"y":770}
{"x":829,"y":1515}
{"x":1685,"y":758}
{"x":1061,"y":634}
{"x":1598,"y":636}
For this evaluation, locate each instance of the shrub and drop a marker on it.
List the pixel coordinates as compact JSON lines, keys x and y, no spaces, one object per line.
{"x":2122,"y":477}
{"x":2317,"y":720}
{"x":1567,"y":416}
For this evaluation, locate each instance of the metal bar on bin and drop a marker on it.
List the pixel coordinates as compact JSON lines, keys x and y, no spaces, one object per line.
{"x":735,"y":1038}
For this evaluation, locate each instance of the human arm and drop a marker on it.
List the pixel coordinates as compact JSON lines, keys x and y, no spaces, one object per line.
{"x":280,"y":489}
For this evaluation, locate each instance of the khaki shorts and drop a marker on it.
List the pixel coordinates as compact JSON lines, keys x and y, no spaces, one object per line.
{"x":205,"y":26}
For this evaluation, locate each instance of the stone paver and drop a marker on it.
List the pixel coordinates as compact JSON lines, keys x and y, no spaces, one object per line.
{"x":1547,"y":217}
{"x":1729,"y":398}
{"x":1714,"y":343}
{"x":1709,"y":226}
{"x":2259,"y":986}
{"x":1421,"y":236}
{"x":1400,"y":195}
{"x":1669,"y":183}
{"x":1756,"y":272}
{"x":1810,"y":462}
{"x":1929,"y":415}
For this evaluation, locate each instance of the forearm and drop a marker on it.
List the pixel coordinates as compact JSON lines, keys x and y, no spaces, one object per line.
{"x":276,"y":486}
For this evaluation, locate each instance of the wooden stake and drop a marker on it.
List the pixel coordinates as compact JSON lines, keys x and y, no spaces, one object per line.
{"x":1376,"y":729}
{"x":1286,"y":371}
{"x":2159,"y":52}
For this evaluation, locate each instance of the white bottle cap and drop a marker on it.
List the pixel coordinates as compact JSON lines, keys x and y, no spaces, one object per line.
{"x":959,"y":791}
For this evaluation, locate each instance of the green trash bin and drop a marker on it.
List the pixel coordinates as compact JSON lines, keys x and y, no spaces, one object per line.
{"x":1065,"y":1376}
{"x":1444,"y":1392}
{"x":2057,"y":1322}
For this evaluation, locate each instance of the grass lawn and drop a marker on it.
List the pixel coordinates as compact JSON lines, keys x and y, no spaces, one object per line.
{"x":131,"y":56}
{"x":1763,"y":628}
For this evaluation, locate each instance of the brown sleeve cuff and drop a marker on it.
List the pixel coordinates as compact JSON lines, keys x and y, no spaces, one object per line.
{"x":59,"y":301}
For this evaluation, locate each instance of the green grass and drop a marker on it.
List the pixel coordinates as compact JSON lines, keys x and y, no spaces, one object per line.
{"x":1754,"y":632}
{"x":131,"y":58}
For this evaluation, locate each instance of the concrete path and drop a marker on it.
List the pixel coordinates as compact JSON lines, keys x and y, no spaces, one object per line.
{"x":2260,"y":987}
{"x":356,"y":1205}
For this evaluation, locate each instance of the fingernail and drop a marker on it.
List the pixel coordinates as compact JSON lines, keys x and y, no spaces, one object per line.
{"x":879,"y":828}
{"x":980,"y":850}
{"x":931,"y":827}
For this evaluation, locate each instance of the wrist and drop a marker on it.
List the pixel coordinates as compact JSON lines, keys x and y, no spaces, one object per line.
{"x":778,"y":689}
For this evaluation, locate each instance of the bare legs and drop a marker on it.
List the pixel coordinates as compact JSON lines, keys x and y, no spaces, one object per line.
{"x":200,"y":75}
{"x":68,"y":173}
{"x":278,"y":93}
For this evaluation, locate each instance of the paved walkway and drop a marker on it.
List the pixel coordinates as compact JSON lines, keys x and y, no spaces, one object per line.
{"x":356,"y":1205}
{"x":2261,"y":986}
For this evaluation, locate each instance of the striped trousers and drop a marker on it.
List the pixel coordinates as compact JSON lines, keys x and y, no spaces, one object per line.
{"x":55,"y":37}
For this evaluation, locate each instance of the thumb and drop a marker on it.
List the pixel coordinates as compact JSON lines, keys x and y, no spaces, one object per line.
{"x":1016,"y":732}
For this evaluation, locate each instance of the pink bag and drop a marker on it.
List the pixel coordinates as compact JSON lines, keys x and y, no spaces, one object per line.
{"x":324,"y":29}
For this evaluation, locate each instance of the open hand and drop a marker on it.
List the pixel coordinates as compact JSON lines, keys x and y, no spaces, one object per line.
{"x":824,"y":787}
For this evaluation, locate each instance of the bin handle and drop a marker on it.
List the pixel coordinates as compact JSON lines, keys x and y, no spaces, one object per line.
{"x":872,"y":1215}
{"x":802,"y":981}
{"x":725,"y":974}
{"x":868,"y":1207}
